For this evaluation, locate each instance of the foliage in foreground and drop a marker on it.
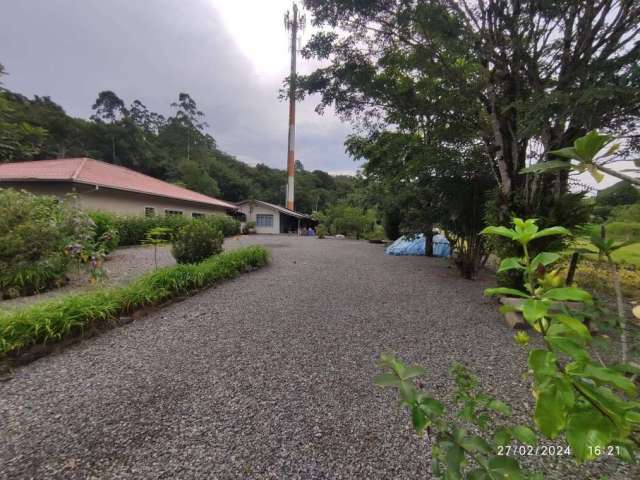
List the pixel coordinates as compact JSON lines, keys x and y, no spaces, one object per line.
{"x":53,"y":321}
{"x":592,"y":406}
{"x":34,"y":231}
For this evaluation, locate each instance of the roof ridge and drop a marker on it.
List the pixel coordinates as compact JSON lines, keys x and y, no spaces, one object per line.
{"x":79,"y":168}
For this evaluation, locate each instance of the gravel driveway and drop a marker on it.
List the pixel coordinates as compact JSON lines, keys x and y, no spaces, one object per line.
{"x":266,"y":376}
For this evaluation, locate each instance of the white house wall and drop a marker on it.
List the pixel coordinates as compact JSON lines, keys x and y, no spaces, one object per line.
{"x":251,"y":211}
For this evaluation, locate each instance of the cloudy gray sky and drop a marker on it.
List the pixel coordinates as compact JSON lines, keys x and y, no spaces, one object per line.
{"x":230,"y":55}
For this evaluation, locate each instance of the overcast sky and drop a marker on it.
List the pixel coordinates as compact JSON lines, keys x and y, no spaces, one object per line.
{"x":230,"y":55}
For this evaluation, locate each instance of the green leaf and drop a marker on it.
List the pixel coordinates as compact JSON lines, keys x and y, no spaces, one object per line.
{"x":478,"y":474}
{"x":548,"y":166}
{"x":547,"y":232}
{"x":408,"y":392}
{"x":524,"y":435}
{"x":502,"y":437}
{"x":588,"y":146}
{"x":502,"y":231}
{"x":509,"y":292}
{"x":544,"y":258}
{"x":569,"y":346}
{"x":550,"y":415}
{"x":568,"y":152}
{"x":543,"y":364}
{"x":587,"y":432}
{"x":568,"y":294}
{"x":499,"y":407}
{"x":510,"y":263}
{"x":574,"y":324}
{"x":418,"y":419}
{"x":454,"y":456}
{"x":606,"y":401}
{"x":386,"y":380}
{"x":474,"y":443}
{"x":505,"y":467}
{"x":412,"y":372}
{"x":533,"y":310}
{"x":607,"y":376}
{"x":432,"y":407}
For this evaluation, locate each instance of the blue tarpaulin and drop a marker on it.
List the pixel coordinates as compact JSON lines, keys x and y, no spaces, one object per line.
{"x":415,"y":245}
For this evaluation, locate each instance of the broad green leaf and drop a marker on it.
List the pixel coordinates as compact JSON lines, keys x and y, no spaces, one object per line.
{"x":607,"y":376}
{"x":568,"y":294}
{"x":568,"y":152}
{"x":623,"y":244}
{"x":547,"y":232}
{"x":588,"y":146}
{"x":386,"y":380}
{"x":454,"y":456}
{"x":548,"y":166}
{"x":508,"y":292}
{"x":533,"y":310}
{"x":544,"y":258}
{"x":407,"y":392}
{"x":502,"y":231}
{"x":412,"y":372}
{"x":588,"y":432}
{"x":475,"y":443}
{"x":550,"y":414}
{"x":510,"y":263}
{"x":524,"y":435}
{"x":505,"y":467}
{"x":499,"y":407}
{"x":432,"y":407}
{"x":502,"y":437}
{"x":606,"y":401}
{"x":632,"y":416}
{"x":568,"y":346}
{"x":418,"y":419}
{"x":574,"y":324}
{"x":626,"y":368}
{"x":543,"y":364}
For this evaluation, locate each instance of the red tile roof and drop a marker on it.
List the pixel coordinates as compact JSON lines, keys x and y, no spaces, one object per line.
{"x":95,"y":172}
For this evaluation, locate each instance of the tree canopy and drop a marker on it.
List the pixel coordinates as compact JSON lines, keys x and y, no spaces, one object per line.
{"x":176,"y":149}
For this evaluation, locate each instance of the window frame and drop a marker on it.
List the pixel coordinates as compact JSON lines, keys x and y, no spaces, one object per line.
{"x":168,"y":212}
{"x":149,"y":211}
{"x":266,"y":216}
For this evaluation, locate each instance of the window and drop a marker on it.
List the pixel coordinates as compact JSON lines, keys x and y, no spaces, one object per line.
{"x":173,"y":212}
{"x":197,"y":215}
{"x":149,"y":212}
{"x":263,"y":220}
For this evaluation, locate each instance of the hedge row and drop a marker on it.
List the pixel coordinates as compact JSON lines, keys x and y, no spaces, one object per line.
{"x":52,"y":321}
{"x":132,"y":229}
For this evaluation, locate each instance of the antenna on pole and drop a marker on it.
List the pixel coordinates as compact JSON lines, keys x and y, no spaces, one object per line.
{"x":292,"y":22}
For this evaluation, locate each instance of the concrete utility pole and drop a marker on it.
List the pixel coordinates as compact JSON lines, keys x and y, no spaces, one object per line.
{"x":292,"y":23}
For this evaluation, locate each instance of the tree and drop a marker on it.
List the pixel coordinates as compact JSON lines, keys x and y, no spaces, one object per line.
{"x":189,"y":117}
{"x":108,"y":107}
{"x":524,"y":77}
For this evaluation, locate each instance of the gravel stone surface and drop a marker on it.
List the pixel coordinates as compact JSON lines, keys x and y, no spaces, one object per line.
{"x":122,"y":265}
{"x":267,"y":376}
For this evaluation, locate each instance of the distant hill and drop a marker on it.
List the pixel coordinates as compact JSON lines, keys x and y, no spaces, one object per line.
{"x":175,"y":149}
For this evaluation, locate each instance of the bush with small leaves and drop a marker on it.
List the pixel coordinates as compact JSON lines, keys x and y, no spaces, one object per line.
{"x":196,"y":241}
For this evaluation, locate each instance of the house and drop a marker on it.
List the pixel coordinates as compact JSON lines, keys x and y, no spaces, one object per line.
{"x":112,"y":188}
{"x":273,"y":219}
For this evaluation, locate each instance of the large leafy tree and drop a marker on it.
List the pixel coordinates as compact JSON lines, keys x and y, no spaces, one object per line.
{"x":522,"y":77}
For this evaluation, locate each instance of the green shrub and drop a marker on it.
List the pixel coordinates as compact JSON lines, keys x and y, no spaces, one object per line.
{"x":321,"y":231}
{"x":106,"y":234}
{"x":52,"y":321}
{"x":196,"y":241}
{"x":623,"y":230}
{"x":376,"y":235}
{"x":227,"y":225}
{"x":132,"y":229}
{"x":249,"y":228}
{"x":34,"y":231}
